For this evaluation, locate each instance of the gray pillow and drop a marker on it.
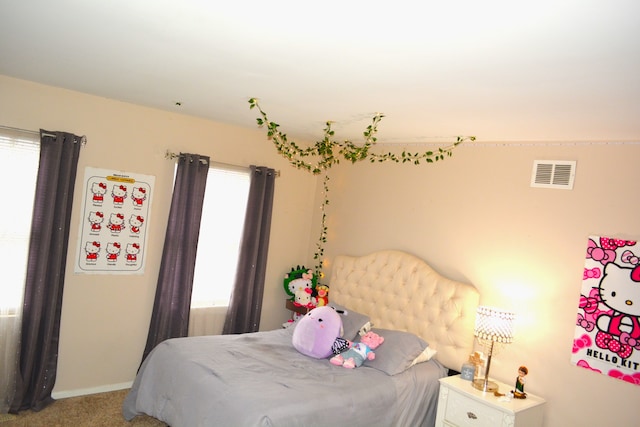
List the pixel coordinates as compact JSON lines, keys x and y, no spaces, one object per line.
{"x":398,"y":352}
{"x":352,"y":321}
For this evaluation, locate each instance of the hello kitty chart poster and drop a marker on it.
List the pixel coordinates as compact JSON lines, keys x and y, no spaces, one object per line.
{"x":113,"y":226}
{"x":607,"y":334}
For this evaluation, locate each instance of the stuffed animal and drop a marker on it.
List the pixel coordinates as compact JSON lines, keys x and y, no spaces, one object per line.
{"x":299,"y":279}
{"x":359,"y":352}
{"x":315,"y":333}
{"x":322,"y":295}
{"x":303,"y":298}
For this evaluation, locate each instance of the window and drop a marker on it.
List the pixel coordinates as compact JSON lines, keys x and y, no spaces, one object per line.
{"x":19,"y":159}
{"x":225,"y":203}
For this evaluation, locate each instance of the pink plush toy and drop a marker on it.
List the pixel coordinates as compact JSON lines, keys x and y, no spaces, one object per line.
{"x":359,"y":352}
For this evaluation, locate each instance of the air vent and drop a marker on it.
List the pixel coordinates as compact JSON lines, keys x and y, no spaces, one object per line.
{"x":557,"y":174}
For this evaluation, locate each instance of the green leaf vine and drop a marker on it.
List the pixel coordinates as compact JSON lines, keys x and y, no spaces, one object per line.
{"x":322,"y":155}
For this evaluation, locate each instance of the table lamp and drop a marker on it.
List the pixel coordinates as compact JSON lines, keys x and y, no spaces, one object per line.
{"x":492,"y":326}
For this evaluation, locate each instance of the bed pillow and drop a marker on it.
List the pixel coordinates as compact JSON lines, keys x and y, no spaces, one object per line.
{"x":352,"y":322}
{"x":399,"y":351}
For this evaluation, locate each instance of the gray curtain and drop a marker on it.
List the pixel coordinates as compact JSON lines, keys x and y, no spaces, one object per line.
{"x":170,"y":317}
{"x":49,"y":241}
{"x":245,"y":305}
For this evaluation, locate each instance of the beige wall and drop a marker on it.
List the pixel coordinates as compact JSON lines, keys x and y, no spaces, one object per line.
{"x":475,"y":218}
{"x":105,"y":318}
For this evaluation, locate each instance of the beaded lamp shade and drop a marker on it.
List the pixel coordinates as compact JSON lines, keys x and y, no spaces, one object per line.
{"x":492,"y":326}
{"x":495,"y":325}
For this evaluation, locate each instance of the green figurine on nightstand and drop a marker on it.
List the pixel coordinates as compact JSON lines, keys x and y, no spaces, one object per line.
{"x":519,"y":393}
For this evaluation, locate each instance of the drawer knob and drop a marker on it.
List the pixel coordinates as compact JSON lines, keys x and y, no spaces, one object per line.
{"x":472,"y":415}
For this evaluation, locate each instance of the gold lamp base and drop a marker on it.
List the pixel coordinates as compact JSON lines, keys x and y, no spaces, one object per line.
{"x":485,"y":385}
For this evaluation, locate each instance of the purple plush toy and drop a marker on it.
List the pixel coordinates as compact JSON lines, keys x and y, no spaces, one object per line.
{"x":317,"y":331}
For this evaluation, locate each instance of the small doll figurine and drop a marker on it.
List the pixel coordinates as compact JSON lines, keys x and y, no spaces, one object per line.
{"x":519,"y":393}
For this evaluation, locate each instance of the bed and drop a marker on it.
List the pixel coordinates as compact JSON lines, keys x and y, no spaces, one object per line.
{"x":260,"y":379}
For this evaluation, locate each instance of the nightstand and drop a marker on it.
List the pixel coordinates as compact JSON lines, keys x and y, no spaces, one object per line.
{"x":461,"y":405}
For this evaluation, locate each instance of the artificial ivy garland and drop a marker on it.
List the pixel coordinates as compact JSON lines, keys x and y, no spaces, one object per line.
{"x":327,"y":152}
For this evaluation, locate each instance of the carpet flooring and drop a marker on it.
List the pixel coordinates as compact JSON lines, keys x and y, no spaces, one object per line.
{"x":95,"y":410}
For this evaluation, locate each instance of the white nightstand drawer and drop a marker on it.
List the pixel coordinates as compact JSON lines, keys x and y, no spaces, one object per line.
{"x":465,"y":412}
{"x":461,"y":405}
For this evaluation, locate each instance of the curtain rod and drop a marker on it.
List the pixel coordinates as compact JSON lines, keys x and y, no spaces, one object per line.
{"x":169,"y":155}
{"x":83,"y":138}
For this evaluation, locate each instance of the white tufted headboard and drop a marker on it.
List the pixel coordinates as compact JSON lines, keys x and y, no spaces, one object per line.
{"x":400,"y":291}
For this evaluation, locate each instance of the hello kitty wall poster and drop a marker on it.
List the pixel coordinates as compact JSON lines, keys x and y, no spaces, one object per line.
{"x":115,"y":217}
{"x":607,"y":334}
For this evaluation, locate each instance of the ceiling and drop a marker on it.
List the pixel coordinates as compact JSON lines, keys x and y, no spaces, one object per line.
{"x":501,"y":70}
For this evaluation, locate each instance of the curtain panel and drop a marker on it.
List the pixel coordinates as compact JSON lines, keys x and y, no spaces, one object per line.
{"x":170,"y":316}
{"x":48,"y":245}
{"x":245,"y":306}
{"x":19,"y":158}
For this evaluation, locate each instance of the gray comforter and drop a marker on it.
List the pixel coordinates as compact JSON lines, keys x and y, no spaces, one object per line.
{"x":259,"y":379}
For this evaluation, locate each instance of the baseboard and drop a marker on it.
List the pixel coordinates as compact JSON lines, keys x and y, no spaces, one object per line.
{"x":92,"y":390}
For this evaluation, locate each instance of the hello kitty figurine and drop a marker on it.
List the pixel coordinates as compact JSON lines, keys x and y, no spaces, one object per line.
{"x":132,"y":252}
{"x":113,"y":250}
{"x":91,"y":249}
{"x":135,"y":221}
{"x":119,"y":193}
{"x":138,"y":195}
{"x":619,"y":290}
{"x":116,"y":222}
{"x":95,"y":219}
{"x":98,"y":189}
{"x":299,"y":280}
{"x":303,"y":298}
